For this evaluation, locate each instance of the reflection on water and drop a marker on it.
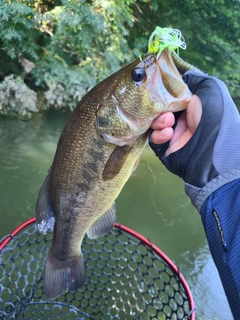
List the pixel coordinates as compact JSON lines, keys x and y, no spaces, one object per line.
{"x":204,"y":282}
{"x":152,"y":202}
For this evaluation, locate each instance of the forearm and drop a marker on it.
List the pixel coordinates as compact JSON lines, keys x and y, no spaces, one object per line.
{"x":220,"y":215}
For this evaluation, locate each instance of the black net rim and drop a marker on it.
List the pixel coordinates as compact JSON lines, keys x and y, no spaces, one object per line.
{"x":145,"y":241}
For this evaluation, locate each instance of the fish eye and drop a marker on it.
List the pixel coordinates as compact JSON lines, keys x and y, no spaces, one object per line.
{"x":138,"y":74}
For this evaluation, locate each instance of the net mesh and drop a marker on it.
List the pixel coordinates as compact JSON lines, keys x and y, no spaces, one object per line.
{"x":126,"y":279}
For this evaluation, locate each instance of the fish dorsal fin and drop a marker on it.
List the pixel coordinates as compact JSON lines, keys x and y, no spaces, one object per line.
{"x":104,"y":224}
{"x":115,"y":162}
{"x":44,"y":214}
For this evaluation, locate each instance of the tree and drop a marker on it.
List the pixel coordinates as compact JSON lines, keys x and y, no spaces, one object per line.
{"x":63,"y":48}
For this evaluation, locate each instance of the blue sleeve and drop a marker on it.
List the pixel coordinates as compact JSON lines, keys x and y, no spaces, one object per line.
{"x":221,"y":220}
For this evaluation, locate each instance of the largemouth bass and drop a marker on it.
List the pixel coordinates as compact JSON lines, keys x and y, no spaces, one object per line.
{"x":98,"y":150}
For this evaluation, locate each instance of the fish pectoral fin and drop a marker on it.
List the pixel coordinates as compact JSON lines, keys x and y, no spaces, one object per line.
{"x":63,"y":275}
{"x":115,"y":162}
{"x":44,"y":214}
{"x":104,"y":224}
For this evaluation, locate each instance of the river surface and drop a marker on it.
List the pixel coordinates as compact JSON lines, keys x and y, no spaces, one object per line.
{"x":152,"y":203}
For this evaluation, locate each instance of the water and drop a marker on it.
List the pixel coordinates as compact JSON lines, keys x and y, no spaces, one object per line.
{"x":152,"y":202}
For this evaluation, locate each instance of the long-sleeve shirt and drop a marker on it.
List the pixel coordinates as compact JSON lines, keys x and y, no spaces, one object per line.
{"x":220,"y":215}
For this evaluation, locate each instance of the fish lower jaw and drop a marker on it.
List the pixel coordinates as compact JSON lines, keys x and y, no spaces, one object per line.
{"x":180,"y":104}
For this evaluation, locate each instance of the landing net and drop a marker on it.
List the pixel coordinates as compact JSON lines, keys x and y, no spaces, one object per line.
{"x":127,"y":278}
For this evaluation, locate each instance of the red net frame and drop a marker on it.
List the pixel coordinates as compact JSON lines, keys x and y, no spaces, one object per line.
{"x":13,"y":309}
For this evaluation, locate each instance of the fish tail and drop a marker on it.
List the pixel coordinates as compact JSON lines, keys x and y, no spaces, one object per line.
{"x":63,"y":275}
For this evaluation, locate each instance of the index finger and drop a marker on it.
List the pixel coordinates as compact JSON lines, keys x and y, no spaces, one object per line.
{"x":163,"y":121}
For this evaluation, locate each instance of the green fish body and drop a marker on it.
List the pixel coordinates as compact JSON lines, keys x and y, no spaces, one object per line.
{"x":97,"y":152}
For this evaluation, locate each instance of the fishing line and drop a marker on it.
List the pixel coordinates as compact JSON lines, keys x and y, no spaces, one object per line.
{"x":169,"y":223}
{"x":187,"y":203}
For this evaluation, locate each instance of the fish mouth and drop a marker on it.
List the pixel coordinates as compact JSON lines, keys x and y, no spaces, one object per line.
{"x":166,"y":87}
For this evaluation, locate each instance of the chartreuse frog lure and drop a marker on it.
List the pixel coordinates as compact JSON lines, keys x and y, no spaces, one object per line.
{"x":163,"y":38}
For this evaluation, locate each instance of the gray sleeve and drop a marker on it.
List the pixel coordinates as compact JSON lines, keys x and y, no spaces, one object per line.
{"x":226,"y":149}
{"x":199,"y":195}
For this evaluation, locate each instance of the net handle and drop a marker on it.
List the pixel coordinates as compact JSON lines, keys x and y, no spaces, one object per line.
{"x":135,"y":234}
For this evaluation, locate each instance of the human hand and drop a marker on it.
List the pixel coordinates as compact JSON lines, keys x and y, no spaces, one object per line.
{"x":185,"y":126}
{"x":203,"y":137}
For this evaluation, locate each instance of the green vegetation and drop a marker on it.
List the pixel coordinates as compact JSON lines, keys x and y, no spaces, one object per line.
{"x":62,"y":48}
